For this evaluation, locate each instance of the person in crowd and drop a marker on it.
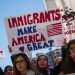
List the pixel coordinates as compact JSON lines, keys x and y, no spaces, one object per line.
{"x":42,"y":65}
{"x":1,"y":71}
{"x":58,"y":60}
{"x":64,"y":49}
{"x":34,"y":62}
{"x":22,"y":65}
{"x":58,"y":63}
{"x":8,"y":70}
{"x":68,"y":66}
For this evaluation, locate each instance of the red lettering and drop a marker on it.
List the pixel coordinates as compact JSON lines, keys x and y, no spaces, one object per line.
{"x":14,"y":42}
{"x":25,"y":39}
{"x":69,"y":32}
{"x":20,"y":40}
{"x":57,"y":17}
{"x":42,"y":38}
{"x":35,"y":18}
{"x":10,"y":25}
{"x":14,"y":22}
{"x":28,"y":19}
{"x":20,"y":21}
{"x":42,"y":17}
{"x":37,"y":39}
{"x":30,"y":39}
{"x":47,"y":16}
{"x":34,"y":38}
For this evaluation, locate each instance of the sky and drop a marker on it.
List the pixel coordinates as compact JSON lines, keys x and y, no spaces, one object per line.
{"x":13,"y":8}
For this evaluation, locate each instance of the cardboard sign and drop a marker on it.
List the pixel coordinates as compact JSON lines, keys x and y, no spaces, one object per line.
{"x":34,"y":31}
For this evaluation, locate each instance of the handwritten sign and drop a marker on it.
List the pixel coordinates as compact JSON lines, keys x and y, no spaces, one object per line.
{"x":34,"y":31}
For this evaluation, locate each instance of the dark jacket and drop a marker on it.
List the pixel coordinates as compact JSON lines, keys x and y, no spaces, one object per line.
{"x":1,"y":72}
{"x":68,"y":66}
{"x":47,"y":71}
{"x":57,"y":69}
{"x":64,"y":51}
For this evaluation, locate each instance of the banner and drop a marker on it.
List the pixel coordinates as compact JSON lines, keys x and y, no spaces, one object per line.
{"x":34,"y":31}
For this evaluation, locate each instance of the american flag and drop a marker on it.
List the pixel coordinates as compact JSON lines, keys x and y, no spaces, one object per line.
{"x":54,"y":29}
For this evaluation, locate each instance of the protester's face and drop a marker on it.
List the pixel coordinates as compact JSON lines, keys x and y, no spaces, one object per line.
{"x":9,"y":71}
{"x":34,"y":62}
{"x":21,"y":64}
{"x":42,"y":62}
{"x":72,"y":51}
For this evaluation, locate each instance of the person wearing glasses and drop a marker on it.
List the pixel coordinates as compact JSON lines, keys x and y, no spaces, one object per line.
{"x":22,"y":65}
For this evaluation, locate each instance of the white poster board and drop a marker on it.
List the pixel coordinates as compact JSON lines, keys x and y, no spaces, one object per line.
{"x":34,"y":31}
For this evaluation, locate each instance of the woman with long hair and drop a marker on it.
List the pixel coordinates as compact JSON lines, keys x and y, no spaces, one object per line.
{"x":42,"y":65}
{"x":22,"y":65}
{"x":68,"y":65}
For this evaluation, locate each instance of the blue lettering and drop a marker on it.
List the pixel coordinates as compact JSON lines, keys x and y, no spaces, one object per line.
{"x":29,"y":29}
{"x":29,"y":47}
{"x":39,"y":46}
{"x":26,"y":30}
{"x":34,"y":29}
{"x":20,"y":32}
{"x":51,"y":42}
{"x":35,"y":46}
{"x":45,"y":45}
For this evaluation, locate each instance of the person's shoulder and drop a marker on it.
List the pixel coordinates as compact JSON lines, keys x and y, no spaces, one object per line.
{"x":70,"y":74}
{"x":1,"y":71}
{"x":30,"y":72}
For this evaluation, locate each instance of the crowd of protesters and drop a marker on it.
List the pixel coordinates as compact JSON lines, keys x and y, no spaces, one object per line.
{"x":64,"y":65}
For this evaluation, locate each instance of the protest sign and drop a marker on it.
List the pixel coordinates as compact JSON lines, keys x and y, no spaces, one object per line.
{"x":34,"y":31}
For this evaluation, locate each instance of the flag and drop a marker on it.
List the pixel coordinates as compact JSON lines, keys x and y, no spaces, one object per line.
{"x":54,"y":29}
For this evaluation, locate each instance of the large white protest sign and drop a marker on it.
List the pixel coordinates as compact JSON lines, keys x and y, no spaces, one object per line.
{"x":34,"y":31}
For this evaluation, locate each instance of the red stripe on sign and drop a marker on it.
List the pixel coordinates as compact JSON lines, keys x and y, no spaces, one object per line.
{"x":54,"y":29}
